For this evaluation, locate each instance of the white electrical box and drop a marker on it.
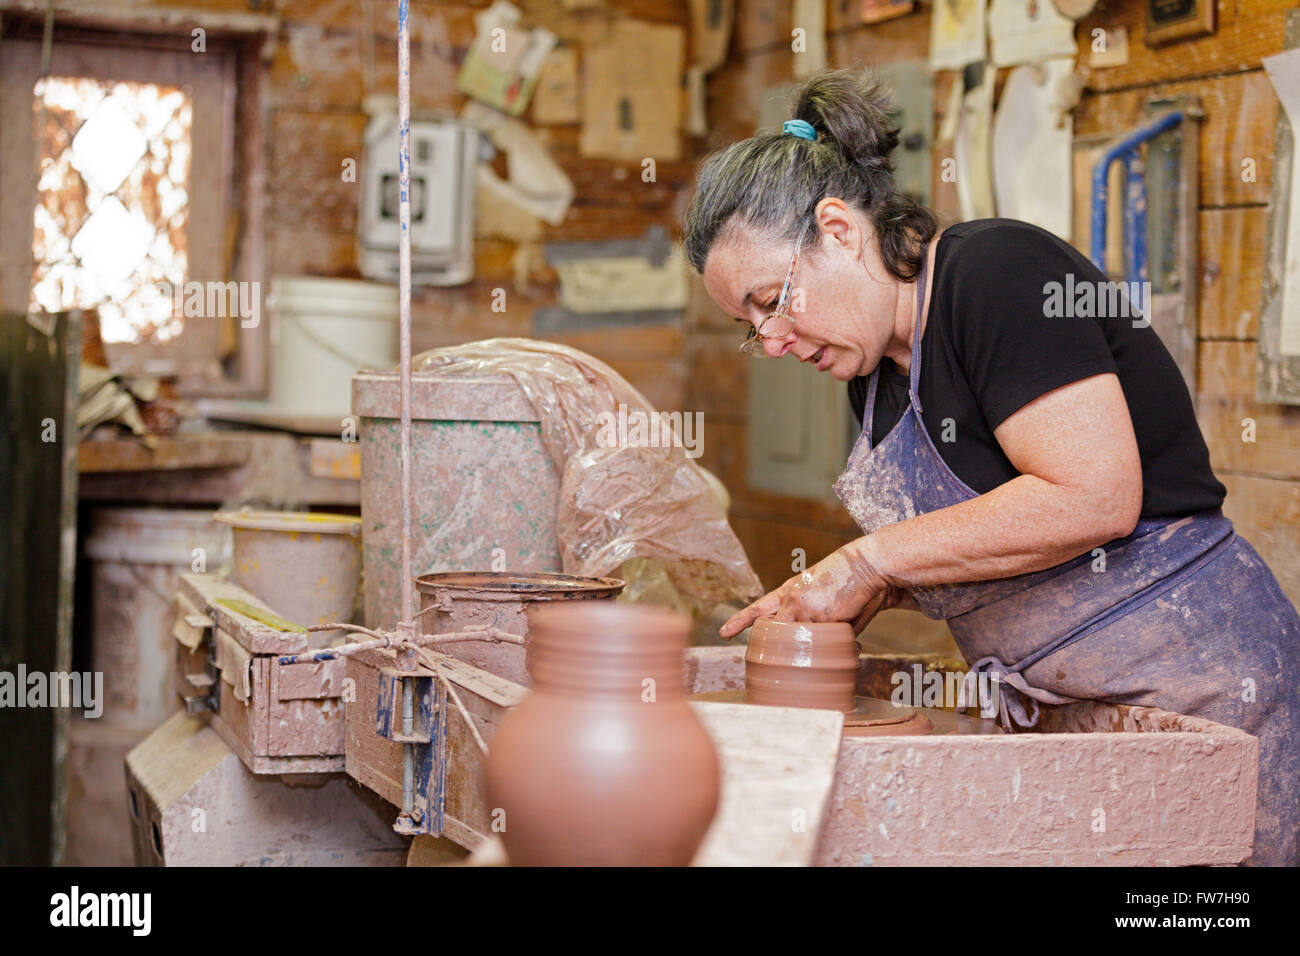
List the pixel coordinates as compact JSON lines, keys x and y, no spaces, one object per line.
{"x":443,"y":161}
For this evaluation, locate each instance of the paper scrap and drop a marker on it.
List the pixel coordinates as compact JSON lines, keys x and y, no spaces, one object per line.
{"x":808,"y":37}
{"x":555,"y":100}
{"x":1109,"y":49}
{"x":536,"y":182}
{"x":956,"y":33}
{"x":710,"y":32}
{"x":710,"y":35}
{"x":971,"y":149}
{"x":505,"y":60}
{"x":632,"y":94}
{"x":1284,"y":73}
{"x":1033,"y":148}
{"x":621,"y":284}
{"x":1028,"y":31}
{"x":951,"y":113}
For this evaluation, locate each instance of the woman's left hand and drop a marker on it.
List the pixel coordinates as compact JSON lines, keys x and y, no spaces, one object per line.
{"x":844,"y":586}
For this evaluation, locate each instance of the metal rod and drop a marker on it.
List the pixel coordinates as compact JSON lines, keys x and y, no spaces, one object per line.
{"x":479,"y":633}
{"x":408,"y":749}
{"x":405,"y":658}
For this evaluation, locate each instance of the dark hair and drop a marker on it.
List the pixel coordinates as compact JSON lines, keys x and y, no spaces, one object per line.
{"x":772,"y":182}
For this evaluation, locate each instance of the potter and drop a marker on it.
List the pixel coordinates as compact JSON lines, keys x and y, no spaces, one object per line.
{"x":1071,"y":433}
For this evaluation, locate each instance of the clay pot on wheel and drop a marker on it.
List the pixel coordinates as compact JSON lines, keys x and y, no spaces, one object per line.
{"x":799,"y":664}
{"x":604,"y":763}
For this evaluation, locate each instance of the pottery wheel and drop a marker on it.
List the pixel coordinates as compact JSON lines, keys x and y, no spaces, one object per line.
{"x":882,"y":718}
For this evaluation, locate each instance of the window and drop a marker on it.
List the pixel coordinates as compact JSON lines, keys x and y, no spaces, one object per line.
{"x":143,"y":162}
{"x":111,"y":216}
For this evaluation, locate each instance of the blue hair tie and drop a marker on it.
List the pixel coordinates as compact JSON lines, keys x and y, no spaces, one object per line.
{"x":799,"y":128}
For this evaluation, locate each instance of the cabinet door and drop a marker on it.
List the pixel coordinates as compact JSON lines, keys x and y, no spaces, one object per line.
{"x":799,"y":423}
{"x":38,"y":495}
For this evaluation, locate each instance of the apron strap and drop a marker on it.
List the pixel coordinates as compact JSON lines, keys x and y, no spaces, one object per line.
{"x":914,"y":386}
{"x":915,"y":373}
{"x":869,"y":410}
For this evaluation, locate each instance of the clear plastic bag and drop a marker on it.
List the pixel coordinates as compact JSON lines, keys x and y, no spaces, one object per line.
{"x":618,"y":500}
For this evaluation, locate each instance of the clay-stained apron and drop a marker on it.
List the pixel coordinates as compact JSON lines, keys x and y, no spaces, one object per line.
{"x":1186,"y":615}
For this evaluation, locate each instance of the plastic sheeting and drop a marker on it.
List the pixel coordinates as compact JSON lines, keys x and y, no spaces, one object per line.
{"x":619,"y":499}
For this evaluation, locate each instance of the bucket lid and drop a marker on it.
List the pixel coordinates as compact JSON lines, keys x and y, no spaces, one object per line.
{"x":318,"y":521}
{"x":519,"y":585}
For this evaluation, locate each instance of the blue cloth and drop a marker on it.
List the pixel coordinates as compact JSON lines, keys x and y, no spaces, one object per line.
{"x":1182,"y":614}
{"x":799,"y":128}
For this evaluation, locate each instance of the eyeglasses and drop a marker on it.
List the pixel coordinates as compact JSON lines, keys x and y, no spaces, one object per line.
{"x":779,"y":322}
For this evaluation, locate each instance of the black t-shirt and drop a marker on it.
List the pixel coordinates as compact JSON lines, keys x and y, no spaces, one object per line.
{"x":998,"y":336}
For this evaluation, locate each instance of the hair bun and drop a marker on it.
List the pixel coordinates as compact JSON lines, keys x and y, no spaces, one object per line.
{"x":852,"y":108}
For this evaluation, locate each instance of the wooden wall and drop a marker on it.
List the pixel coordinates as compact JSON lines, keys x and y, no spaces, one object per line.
{"x":317,"y":78}
{"x":1224,"y":69}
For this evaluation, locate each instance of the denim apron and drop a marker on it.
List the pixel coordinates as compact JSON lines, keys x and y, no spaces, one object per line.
{"x":1182,"y":614}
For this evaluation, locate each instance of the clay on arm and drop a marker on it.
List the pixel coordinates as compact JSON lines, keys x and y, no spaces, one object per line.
{"x":1080,"y":486}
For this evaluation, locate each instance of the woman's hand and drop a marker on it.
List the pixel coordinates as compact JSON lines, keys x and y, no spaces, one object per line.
{"x":846,"y":585}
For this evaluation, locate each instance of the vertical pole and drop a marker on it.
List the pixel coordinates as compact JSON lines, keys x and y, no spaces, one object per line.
{"x":406,"y":658}
{"x":406,"y":618}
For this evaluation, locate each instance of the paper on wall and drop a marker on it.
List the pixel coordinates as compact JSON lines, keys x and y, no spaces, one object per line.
{"x":1027,"y":31}
{"x":555,"y":100}
{"x":956,"y":33}
{"x":810,"y":46}
{"x":951,"y":114}
{"x":1284,"y":72}
{"x":1033,"y":147}
{"x":971,"y":149}
{"x":1112,"y":50}
{"x":504,"y":60}
{"x":536,"y":182}
{"x":631,"y":93}
{"x":623,"y":283}
{"x":710,"y":35}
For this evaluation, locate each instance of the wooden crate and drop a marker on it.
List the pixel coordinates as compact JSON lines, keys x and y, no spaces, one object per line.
{"x":279,"y":718}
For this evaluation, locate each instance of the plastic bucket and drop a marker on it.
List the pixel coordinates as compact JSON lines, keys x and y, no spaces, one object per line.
{"x":138,"y":555}
{"x":325,"y":331}
{"x":305,"y":565}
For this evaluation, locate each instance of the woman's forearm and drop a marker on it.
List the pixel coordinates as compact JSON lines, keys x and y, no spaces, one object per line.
{"x":1025,"y":525}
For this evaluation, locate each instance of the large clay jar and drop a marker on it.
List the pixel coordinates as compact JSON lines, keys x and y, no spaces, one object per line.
{"x":604,"y":763}
{"x":797,"y":664}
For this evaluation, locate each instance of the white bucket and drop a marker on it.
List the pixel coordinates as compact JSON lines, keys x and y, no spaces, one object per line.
{"x":138,"y":555}
{"x":325,"y":331}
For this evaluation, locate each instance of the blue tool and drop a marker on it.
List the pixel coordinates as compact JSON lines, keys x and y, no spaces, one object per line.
{"x":1135,"y":190}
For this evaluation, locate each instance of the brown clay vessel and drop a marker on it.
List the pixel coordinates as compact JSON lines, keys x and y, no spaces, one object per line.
{"x":604,"y":763}
{"x":800,"y":664}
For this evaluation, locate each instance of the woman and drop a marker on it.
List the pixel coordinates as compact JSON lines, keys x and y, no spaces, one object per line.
{"x":1033,"y":475}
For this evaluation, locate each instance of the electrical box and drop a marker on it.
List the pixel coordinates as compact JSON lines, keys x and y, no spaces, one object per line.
{"x":443,"y":167}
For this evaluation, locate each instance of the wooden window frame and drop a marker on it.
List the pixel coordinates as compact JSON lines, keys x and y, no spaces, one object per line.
{"x":246,"y":40}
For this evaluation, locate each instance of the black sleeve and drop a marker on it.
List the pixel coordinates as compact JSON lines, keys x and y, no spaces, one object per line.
{"x":1006,"y":331}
